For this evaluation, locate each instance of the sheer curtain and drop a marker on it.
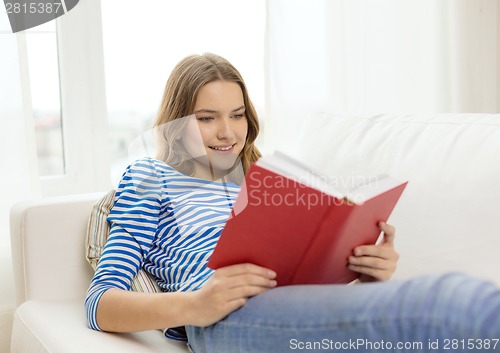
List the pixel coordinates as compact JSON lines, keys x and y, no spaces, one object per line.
{"x":377,"y":56}
{"x":18,"y":175}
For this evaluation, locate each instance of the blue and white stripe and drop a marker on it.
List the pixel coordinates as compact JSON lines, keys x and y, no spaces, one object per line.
{"x":165,"y":222}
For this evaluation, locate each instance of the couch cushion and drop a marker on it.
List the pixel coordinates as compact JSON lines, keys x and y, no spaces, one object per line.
{"x":448,"y":217}
{"x":40,"y":230}
{"x":60,"y":327}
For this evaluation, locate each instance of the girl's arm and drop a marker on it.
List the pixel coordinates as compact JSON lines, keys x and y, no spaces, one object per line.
{"x":227,"y":290}
{"x":125,"y":311}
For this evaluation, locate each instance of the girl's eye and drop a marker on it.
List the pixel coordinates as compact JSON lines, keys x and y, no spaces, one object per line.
{"x":238,"y":116}
{"x":204,"y":118}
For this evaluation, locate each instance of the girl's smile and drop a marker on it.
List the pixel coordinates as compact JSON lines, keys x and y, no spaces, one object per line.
{"x":227,"y":148}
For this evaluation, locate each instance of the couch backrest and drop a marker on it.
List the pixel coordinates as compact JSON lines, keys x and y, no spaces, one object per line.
{"x":449,"y":216}
{"x":47,"y":238}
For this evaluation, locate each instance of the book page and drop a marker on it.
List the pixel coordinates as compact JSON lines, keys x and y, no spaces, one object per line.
{"x":372,"y":187}
{"x":285,"y":165}
{"x":356,"y":189}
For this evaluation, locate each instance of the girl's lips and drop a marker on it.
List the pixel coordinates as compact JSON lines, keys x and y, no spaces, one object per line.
{"x":227,"y":148}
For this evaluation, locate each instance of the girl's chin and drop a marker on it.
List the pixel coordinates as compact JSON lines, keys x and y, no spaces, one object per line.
{"x":224,"y":162}
{"x":220,"y":164}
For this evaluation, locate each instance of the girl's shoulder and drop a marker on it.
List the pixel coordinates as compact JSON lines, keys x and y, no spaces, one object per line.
{"x":153,"y":170}
{"x":150,"y":166}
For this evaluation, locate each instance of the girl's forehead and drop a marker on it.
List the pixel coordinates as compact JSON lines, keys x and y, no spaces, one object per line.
{"x":219,"y":95}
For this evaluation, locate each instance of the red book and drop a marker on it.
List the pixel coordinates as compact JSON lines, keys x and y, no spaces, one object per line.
{"x":291,"y":220}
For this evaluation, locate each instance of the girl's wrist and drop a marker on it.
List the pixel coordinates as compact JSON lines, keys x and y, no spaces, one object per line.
{"x":189,"y":308}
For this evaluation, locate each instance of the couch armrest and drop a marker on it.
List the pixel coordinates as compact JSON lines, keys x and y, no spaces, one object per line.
{"x":47,"y":240}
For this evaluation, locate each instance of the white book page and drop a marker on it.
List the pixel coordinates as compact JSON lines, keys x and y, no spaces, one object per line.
{"x":357,"y":191}
{"x":372,"y":187}
{"x":283,"y":164}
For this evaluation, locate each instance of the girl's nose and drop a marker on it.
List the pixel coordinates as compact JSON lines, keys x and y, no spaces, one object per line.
{"x":225,"y":131}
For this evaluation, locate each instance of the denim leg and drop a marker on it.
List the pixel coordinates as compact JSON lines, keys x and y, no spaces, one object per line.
{"x":424,"y":314}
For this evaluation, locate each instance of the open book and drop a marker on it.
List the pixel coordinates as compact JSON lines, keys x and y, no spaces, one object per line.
{"x":302,"y":225}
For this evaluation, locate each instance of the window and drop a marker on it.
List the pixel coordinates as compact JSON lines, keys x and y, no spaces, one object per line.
{"x":41,"y":43}
{"x":82,"y":100}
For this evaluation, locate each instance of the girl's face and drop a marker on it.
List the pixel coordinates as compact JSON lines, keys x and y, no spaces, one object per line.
{"x":216,"y":134}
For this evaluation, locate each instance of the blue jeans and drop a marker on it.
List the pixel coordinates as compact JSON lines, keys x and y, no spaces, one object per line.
{"x":454,"y":313}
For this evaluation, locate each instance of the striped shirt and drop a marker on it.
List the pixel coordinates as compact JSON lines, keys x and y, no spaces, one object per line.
{"x":164,"y":222}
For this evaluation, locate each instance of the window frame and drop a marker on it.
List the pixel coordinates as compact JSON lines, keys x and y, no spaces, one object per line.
{"x":83,"y":104}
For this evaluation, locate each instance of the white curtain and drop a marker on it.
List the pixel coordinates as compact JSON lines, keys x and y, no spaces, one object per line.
{"x":379,"y":56}
{"x":18,"y":176}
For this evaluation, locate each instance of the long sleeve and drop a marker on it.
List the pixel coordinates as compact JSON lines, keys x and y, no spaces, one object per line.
{"x":133,"y":224}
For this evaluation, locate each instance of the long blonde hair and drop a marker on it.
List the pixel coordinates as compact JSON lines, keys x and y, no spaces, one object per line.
{"x":179,"y":99}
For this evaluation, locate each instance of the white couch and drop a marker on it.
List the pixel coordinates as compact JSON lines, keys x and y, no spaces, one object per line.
{"x":447,"y":220}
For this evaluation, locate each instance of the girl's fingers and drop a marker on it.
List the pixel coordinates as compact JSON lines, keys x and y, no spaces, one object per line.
{"x":382,"y":252}
{"x":251,"y":280}
{"x":372,"y":262}
{"x":389,"y":232}
{"x":247,"y":268}
{"x":376,"y":274}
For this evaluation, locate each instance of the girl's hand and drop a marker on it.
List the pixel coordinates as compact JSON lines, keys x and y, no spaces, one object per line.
{"x":227,"y":290}
{"x":376,"y":262}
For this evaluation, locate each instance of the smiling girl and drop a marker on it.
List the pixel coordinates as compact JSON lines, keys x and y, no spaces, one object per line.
{"x":168,"y":215}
